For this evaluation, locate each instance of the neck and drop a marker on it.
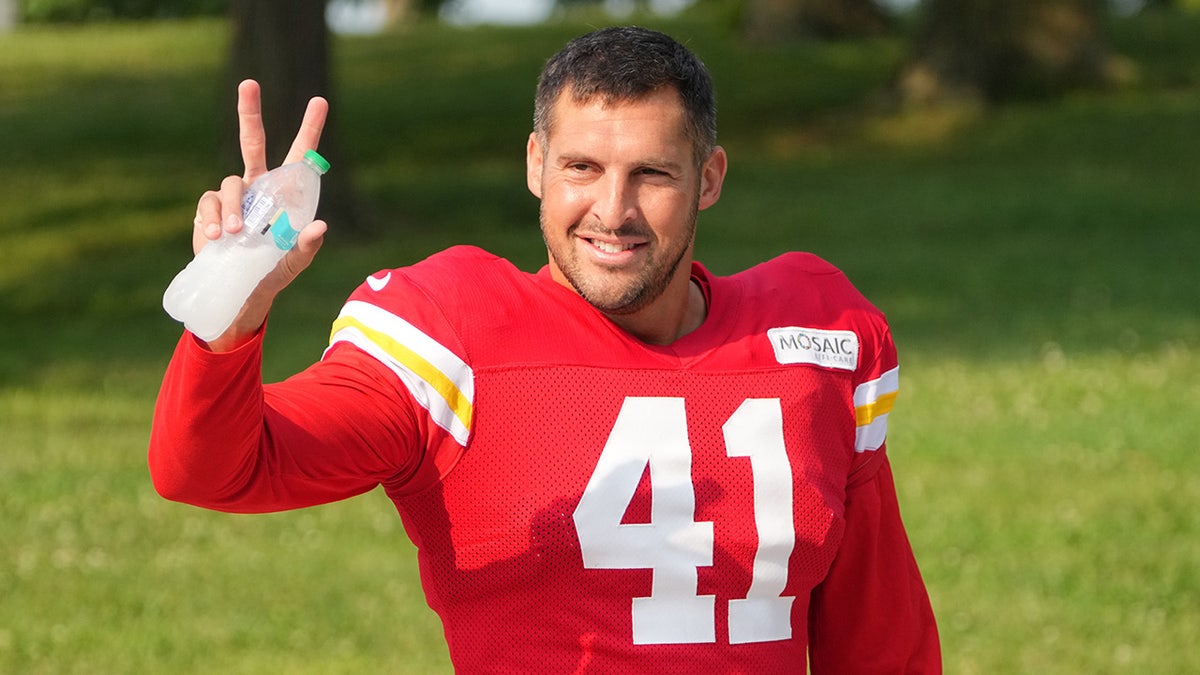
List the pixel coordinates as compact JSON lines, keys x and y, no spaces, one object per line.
{"x":679,"y":311}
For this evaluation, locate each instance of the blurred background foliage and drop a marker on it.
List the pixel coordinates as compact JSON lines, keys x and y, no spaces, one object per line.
{"x":1035,"y":252}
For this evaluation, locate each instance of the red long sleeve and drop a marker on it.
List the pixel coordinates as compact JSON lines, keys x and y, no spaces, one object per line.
{"x":527,"y":444}
{"x":872,"y":613}
{"x":223,"y":440}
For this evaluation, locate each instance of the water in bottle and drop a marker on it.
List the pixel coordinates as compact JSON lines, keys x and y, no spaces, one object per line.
{"x":207,"y":295}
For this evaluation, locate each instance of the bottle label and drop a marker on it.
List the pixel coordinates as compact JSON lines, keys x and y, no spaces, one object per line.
{"x":281,"y":230}
{"x":256,"y":209}
{"x":264,"y":215}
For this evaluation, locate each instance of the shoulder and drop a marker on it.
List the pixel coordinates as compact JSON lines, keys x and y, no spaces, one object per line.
{"x":469,"y":301}
{"x":808,"y":263}
{"x":809,"y":312}
{"x":451,"y":278}
{"x":804,"y":281}
{"x":458,"y":265}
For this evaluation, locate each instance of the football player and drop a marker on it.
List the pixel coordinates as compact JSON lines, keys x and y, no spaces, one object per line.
{"x":621,"y":462}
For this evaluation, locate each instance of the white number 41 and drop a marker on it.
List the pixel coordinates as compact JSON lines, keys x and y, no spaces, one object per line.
{"x":653,"y":431}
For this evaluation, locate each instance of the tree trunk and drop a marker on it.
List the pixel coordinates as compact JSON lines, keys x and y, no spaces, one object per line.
{"x":285,"y":45}
{"x":996,"y":50}
{"x":781,"y":20}
{"x":9,"y":12}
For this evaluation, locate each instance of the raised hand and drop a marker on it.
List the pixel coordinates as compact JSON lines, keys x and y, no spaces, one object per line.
{"x":220,"y":211}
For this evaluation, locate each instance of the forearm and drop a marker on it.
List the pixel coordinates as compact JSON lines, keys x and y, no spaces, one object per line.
{"x":208,"y":422}
{"x":872,"y":613}
{"x":223,"y":440}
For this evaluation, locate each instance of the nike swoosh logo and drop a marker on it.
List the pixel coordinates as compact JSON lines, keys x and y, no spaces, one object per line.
{"x":377,"y":283}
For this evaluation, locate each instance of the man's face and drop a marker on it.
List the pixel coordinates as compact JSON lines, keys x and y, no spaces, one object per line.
{"x":620,"y":190}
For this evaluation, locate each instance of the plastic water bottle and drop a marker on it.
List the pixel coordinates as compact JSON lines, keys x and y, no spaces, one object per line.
{"x":207,"y":295}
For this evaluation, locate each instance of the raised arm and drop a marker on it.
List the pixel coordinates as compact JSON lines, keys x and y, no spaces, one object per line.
{"x":219,"y":438}
{"x":220,"y":210}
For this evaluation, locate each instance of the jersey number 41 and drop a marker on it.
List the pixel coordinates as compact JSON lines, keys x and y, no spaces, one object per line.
{"x":653,"y":431}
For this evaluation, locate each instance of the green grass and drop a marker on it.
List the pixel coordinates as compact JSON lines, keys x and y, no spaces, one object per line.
{"x":1037,"y":262}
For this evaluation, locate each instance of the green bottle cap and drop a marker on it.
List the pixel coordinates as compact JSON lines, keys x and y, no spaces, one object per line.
{"x":315,"y":157}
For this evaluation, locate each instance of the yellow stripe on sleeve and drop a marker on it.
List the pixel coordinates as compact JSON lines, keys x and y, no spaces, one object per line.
{"x":865,"y":414}
{"x":413,"y":361}
{"x":438,"y":380}
{"x":873,"y":401}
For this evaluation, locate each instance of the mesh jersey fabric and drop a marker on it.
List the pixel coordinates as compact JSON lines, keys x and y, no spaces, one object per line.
{"x":581,"y":501}
{"x":685,"y":559}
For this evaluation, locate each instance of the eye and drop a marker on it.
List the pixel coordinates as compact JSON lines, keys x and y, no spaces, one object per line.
{"x":653,"y":172}
{"x":577,"y":165}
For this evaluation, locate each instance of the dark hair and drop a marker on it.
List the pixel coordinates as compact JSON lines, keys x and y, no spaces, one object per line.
{"x":624,"y":64}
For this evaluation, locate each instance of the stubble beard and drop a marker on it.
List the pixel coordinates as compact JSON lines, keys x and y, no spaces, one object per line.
{"x":608,"y":293}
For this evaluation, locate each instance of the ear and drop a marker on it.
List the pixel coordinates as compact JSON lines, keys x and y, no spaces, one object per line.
{"x":533,"y":165}
{"x":712,"y":176}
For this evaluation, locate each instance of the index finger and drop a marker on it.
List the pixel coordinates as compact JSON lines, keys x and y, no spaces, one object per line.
{"x":252,"y":137}
{"x":311,"y":126}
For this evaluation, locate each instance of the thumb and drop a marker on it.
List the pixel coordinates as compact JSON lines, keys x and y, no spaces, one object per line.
{"x":311,"y":237}
{"x":307,"y":244}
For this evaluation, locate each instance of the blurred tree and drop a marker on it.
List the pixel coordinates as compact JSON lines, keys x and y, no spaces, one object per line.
{"x":995,"y":50}
{"x":8,"y":15}
{"x":285,"y":45}
{"x":427,"y":6}
{"x":779,"y":20}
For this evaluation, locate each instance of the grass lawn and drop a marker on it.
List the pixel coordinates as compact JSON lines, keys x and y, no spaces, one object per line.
{"x":1038,"y":263}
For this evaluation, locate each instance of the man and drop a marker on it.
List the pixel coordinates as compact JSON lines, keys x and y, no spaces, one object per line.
{"x":621,"y":463}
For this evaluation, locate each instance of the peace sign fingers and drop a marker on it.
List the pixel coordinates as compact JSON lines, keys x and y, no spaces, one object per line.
{"x":252,"y":136}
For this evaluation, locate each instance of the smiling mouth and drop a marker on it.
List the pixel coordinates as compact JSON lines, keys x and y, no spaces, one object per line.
{"x":610,"y":247}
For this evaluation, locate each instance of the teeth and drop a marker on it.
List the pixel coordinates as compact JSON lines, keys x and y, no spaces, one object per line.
{"x":611,"y":248}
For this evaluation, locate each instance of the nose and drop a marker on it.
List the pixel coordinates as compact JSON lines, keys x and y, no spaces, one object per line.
{"x":616,"y":202}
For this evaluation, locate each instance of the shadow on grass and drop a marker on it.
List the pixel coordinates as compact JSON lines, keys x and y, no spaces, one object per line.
{"x":1070,"y":223}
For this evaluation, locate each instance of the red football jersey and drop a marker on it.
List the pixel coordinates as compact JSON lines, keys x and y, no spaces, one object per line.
{"x":583,"y":501}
